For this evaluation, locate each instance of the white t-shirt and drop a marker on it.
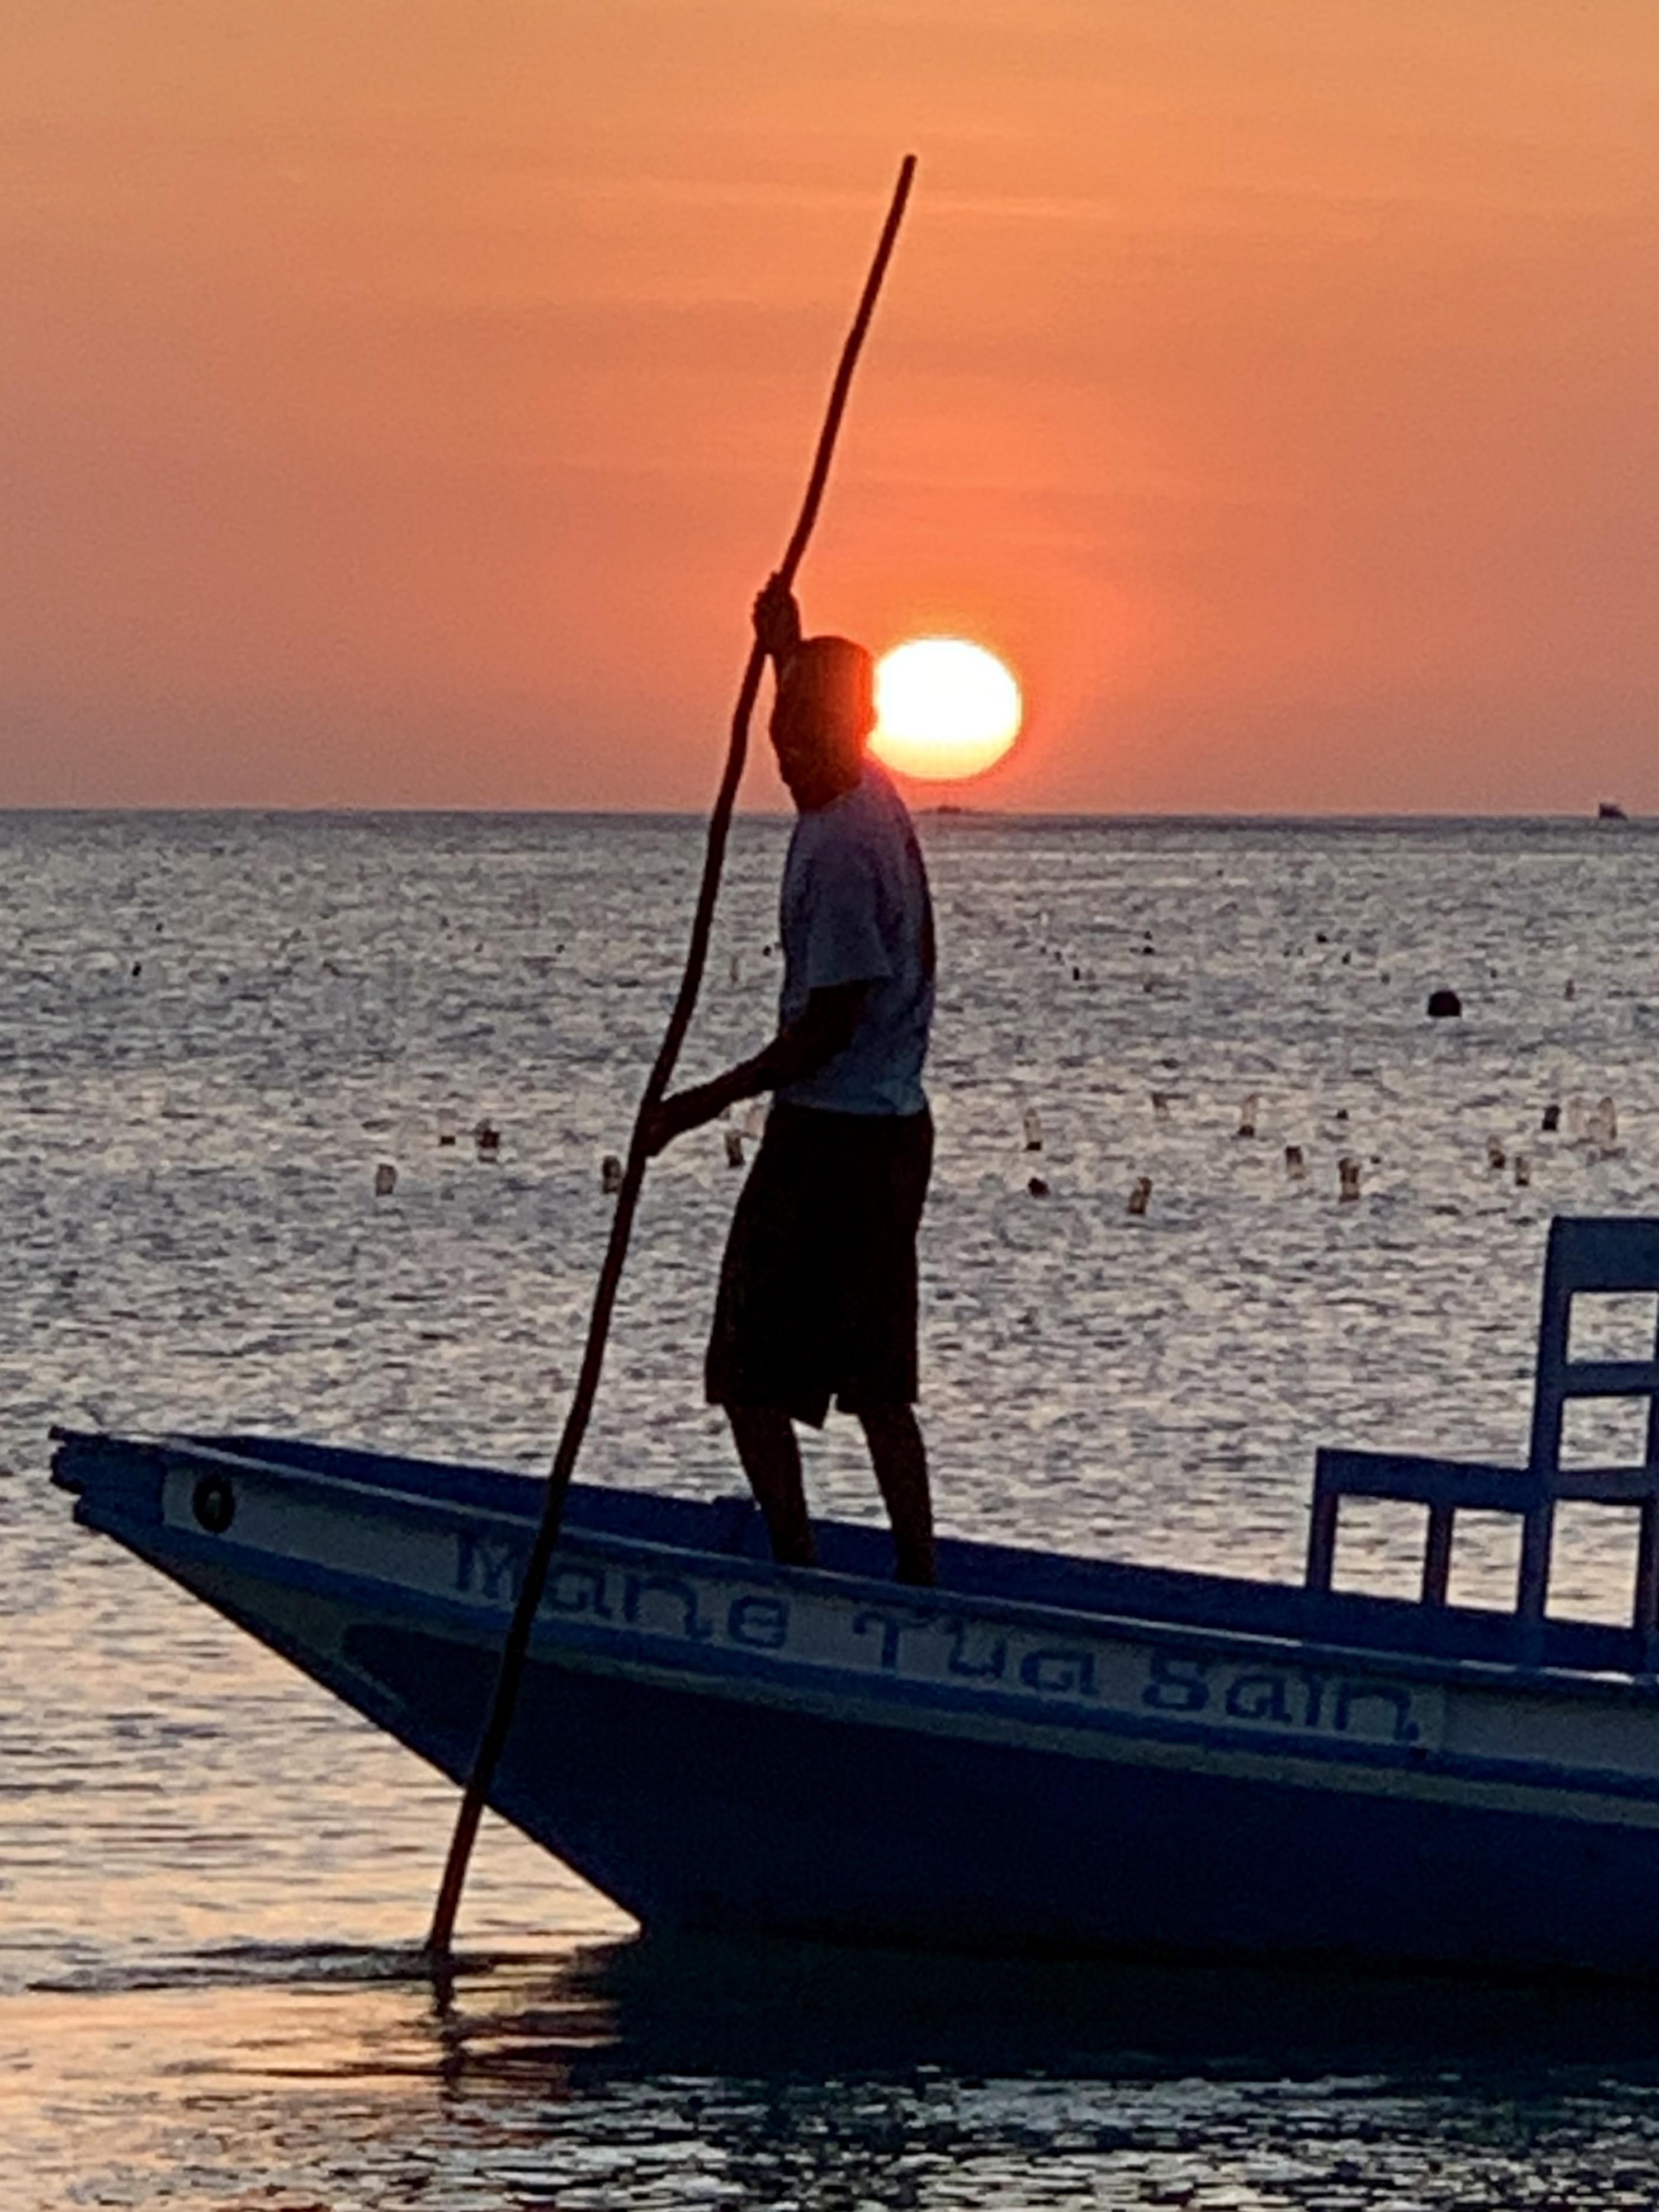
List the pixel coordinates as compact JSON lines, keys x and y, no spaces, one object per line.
{"x":855,"y":910}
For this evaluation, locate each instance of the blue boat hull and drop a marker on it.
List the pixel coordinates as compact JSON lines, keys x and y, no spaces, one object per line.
{"x":697,"y":1815}
{"x":721,"y":1745}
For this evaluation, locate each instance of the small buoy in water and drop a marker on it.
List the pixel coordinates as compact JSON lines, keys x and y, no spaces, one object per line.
{"x":1294,"y":1165}
{"x":1601,"y":1124}
{"x":445,"y":1126}
{"x":1444,"y":1004}
{"x":137,"y":967}
{"x":1347,"y":1170}
{"x":488,"y":1138}
{"x":1037,"y":1187}
{"x":737,"y":968}
{"x":610,"y":1175}
{"x":1033,"y":1130}
{"x":1551,"y":1120}
{"x":1571,"y":991}
{"x":1523,"y":1171}
{"x":1160,"y":1105}
{"x":1076,"y":972}
{"x":1494,"y":1153}
{"x":385,"y":1179}
{"x":734,"y":1148}
{"x":1141,"y":1191}
{"x":1246,"y":1114}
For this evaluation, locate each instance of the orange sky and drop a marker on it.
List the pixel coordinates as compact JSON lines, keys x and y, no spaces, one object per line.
{"x":400,"y":399}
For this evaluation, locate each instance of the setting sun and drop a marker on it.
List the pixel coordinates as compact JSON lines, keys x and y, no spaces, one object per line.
{"x":945,"y":708}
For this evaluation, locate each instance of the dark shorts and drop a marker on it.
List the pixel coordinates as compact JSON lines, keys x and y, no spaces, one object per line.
{"x":818,"y":1296}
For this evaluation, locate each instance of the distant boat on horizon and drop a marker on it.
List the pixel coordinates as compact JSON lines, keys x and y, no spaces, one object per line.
{"x":1611,"y":811}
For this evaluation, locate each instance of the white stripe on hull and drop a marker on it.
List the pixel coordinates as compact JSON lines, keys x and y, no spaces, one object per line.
{"x":1222,"y":1703}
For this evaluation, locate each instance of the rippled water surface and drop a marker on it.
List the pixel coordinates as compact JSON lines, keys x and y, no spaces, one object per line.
{"x":213,"y":1030}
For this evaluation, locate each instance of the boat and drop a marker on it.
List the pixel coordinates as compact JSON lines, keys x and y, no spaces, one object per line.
{"x":1043,"y":1754}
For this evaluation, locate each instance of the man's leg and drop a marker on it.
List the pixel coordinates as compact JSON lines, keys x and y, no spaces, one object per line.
{"x":900,"y":1459}
{"x":766,"y":1444}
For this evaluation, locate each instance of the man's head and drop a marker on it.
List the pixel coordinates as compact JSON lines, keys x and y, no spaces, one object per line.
{"x":822,"y":718}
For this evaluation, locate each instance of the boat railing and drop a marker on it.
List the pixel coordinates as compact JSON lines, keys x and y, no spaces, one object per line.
{"x":1585,"y":1257}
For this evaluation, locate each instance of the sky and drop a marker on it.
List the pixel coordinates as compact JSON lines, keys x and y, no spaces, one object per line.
{"x":401,"y":400}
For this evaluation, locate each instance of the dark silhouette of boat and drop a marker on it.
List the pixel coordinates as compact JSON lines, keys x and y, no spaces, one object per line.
{"x":1043,"y":1754}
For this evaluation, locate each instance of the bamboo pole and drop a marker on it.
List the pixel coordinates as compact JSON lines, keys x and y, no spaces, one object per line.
{"x":515,"y":1650}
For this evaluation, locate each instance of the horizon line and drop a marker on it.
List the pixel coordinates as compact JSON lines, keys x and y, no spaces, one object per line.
{"x":949,"y":809}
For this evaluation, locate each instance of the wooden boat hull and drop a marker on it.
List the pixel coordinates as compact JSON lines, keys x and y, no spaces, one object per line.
{"x":1041,"y":1755}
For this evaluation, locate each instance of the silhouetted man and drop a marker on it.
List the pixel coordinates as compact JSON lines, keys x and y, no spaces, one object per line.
{"x":817,"y":1294}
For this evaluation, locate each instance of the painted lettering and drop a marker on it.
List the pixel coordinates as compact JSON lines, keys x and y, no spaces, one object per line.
{"x":891,"y":1626}
{"x":1260,"y":1697}
{"x":578,"y":1589}
{"x":1315,"y":1685}
{"x":1061,"y":1672}
{"x":1176,"y":1685}
{"x":1349,"y":1696}
{"x":494,"y":1565}
{"x":672,"y":1592}
{"x":761,"y":1623}
{"x":990,"y":1663}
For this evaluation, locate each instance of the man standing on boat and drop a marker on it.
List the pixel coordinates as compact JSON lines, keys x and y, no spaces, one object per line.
{"x":817,"y":1293}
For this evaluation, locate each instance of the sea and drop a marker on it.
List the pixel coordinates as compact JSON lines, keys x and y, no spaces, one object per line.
{"x":218,"y":1034}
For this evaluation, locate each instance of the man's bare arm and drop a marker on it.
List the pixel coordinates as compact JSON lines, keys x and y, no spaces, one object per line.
{"x":821,"y":1030}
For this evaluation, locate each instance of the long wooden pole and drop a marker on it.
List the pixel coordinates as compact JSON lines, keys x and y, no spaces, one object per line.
{"x":517,"y":1645}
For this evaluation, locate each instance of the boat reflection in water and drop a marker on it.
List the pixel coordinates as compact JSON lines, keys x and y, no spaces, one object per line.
{"x":695,"y":2006}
